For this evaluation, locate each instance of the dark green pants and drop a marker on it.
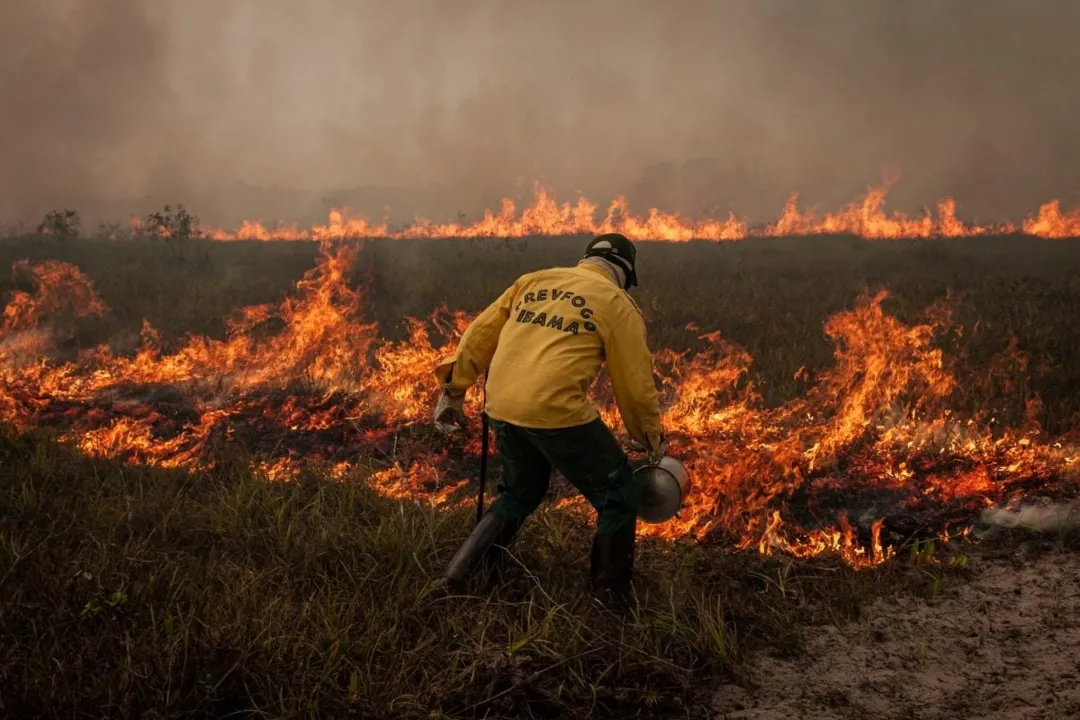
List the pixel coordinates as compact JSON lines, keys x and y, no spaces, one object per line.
{"x":588,"y":456}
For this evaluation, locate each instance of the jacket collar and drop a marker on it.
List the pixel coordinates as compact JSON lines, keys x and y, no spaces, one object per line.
{"x":601,"y":266}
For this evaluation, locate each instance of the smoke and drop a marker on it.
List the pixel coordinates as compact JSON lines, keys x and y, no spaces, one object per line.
{"x":279,"y":109}
{"x":1037,"y":518}
{"x":86,"y":111}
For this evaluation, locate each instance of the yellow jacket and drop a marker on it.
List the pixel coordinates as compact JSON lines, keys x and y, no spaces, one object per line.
{"x":542,"y":343}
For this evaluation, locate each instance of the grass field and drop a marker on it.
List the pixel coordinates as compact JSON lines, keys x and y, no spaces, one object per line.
{"x":133,"y":591}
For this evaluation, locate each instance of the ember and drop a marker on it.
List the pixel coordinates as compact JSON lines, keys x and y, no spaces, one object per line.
{"x":871,"y":454}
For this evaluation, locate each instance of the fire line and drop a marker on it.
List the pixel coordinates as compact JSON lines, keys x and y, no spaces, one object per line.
{"x":307,"y":381}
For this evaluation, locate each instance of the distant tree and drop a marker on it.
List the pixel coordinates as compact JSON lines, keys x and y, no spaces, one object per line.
{"x":64,"y":224}
{"x":175,"y":225}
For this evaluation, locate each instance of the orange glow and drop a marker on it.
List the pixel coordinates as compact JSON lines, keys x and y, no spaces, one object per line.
{"x":866,"y":217}
{"x":308,"y":383}
{"x":1052,"y":223}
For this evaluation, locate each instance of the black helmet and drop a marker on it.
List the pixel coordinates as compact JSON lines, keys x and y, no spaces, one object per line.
{"x":615,"y":248}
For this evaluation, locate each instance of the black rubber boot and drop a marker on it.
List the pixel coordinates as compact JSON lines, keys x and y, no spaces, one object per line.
{"x":492,"y":531}
{"x":612,"y":566}
{"x":495,"y":563}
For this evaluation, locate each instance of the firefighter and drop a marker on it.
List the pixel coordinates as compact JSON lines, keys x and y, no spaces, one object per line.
{"x":542,"y":343}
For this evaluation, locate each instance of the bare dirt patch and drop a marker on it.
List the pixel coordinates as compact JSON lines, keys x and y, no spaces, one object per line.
{"x":1004,"y":644}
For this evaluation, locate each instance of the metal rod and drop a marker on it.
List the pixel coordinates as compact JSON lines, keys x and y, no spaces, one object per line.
{"x":483,"y":456}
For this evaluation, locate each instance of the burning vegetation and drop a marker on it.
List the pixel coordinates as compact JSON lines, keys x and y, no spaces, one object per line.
{"x":545,"y":216}
{"x":873,"y":453}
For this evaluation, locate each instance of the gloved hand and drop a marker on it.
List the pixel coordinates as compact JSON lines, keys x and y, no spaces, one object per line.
{"x":655,"y":456}
{"x":449,"y":413}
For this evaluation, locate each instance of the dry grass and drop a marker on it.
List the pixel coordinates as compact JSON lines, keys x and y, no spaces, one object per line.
{"x":132,"y":592}
{"x":135,"y":592}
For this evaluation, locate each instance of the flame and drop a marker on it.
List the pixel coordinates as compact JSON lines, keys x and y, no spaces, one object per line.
{"x":62,"y":295}
{"x":308,"y":383}
{"x":866,"y":217}
{"x":1052,"y":223}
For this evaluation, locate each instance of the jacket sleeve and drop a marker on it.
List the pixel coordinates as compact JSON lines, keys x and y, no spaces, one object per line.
{"x":629,"y":367}
{"x":477,"y":346}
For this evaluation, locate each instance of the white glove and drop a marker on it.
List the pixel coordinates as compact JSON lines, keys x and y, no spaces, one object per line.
{"x":449,"y":413}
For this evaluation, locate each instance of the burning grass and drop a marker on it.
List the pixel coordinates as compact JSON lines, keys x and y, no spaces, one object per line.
{"x":545,"y":216}
{"x":184,"y":496}
{"x":309,"y":379}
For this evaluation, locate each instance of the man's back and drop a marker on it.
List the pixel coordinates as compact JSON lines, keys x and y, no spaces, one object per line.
{"x":552,"y":346}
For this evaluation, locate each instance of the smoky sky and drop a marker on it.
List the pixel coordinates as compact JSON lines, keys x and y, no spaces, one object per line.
{"x":241,"y":106}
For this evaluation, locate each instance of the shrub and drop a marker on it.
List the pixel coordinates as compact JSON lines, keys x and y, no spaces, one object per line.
{"x":64,"y":224}
{"x":175,"y":225}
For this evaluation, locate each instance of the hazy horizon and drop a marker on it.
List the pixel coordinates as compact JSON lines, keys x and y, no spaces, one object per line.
{"x":693,"y":106}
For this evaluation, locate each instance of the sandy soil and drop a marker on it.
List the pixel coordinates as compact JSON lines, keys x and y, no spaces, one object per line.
{"x":1003,"y":644}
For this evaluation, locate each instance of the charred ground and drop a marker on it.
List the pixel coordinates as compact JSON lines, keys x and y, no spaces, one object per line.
{"x":167,"y":592}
